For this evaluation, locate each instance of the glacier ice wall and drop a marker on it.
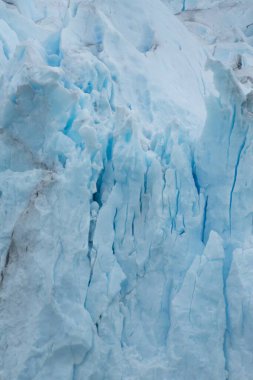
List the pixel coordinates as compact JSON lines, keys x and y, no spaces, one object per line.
{"x":126,"y":201}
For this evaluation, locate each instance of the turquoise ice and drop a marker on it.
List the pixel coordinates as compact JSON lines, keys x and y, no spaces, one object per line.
{"x":126,"y":202}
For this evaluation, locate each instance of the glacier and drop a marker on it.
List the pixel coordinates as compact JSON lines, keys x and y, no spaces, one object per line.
{"x":126,"y":203}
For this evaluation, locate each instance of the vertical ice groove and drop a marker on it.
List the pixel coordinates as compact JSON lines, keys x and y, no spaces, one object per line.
{"x":146,"y":180}
{"x":194,"y":174}
{"x":237,"y":163}
{"x":92,"y":252}
{"x":192,"y":297}
{"x":140,"y":200}
{"x":114,"y":220}
{"x":164,"y":186}
{"x":74,"y":374}
{"x":177,"y":198}
{"x":114,"y":230}
{"x":204,"y":220}
{"x":59,"y":257}
{"x":226,"y":339}
{"x":232,"y":125}
{"x":133,"y":220}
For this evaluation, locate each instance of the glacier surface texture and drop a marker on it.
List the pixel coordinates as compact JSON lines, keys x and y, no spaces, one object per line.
{"x":126,"y":190}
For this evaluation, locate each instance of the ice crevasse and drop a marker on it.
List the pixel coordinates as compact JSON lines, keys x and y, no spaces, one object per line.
{"x":126,"y":202}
